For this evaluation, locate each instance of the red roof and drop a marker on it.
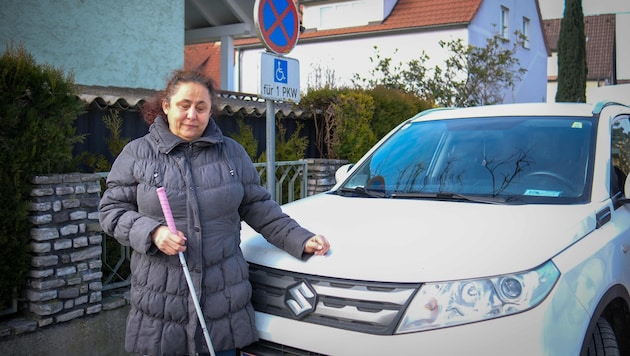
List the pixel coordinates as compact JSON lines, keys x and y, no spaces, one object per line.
{"x":600,"y":44}
{"x":406,"y":14}
{"x":206,"y":57}
{"x":413,"y":14}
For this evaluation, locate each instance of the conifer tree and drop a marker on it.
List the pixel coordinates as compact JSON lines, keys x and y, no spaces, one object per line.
{"x":572,"y":68}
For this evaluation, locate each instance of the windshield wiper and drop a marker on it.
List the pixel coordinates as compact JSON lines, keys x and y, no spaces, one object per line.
{"x":362,"y":192}
{"x":450,"y":196}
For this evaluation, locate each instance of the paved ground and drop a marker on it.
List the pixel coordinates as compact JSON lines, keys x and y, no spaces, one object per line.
{"x":100,"y":335}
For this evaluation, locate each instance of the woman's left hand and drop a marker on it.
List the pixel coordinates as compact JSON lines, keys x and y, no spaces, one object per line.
{"x":317,"y":245}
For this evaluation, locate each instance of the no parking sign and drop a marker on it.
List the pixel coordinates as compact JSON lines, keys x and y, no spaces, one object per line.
{"x":278,"y":24}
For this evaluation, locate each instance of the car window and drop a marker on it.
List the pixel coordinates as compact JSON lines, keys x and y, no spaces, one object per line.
{"x":620,"y":152}
{"x":537,"y":159}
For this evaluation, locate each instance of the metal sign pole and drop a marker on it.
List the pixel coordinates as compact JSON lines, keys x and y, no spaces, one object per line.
{"x":277,"y":22}
{"x":271,"y":148}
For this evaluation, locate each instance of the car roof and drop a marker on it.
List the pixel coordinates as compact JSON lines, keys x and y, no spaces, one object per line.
{"x":522,"y":109}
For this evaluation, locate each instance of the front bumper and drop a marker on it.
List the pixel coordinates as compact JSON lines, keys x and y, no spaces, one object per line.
{"x":555,"y":327}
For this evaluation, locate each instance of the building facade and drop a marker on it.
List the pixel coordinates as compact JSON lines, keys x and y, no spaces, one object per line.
{"x":606,"y":25}
{"x":129,"y":44}
{"x":341,"y":39}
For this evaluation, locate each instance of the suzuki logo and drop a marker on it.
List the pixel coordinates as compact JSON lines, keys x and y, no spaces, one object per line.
{"x":301,"y":299}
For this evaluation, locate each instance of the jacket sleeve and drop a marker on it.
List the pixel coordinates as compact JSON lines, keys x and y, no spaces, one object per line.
{"x":118,"y":208}
{"x":265,"y":215}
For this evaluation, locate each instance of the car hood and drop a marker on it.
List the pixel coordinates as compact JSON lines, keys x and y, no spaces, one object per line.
{"x":413,"y":240}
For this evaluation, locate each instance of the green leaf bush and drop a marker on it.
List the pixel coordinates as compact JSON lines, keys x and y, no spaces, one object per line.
{"x":348,"y":122}
{"x":38,"y":104}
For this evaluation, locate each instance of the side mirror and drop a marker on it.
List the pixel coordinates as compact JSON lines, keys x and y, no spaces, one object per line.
{"x":342,"y":172}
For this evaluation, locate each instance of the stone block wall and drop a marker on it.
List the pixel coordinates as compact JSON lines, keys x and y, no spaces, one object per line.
{"x":65,"y":279}
{"x":321,"y":174}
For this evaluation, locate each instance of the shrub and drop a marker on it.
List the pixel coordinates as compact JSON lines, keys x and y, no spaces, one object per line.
{"x":245,"y":136}
{"x":354,"y":111}
{"x":38,"y":104}
{"x":348,"y":122}
{"x":319,"y":103}
{"x":115,"y":144}
{"x":290,"y":148}
{"x":391,"y":107}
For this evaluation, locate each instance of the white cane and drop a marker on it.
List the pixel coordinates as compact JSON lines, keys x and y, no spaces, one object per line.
{"x":168,"y":215}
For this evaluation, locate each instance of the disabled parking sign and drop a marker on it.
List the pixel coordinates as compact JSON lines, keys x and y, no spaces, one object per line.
{"x":280,"y":70}
{"x":280,"y":78}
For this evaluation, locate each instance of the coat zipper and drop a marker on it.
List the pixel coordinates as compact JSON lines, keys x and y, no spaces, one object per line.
{"x":226,"y":160}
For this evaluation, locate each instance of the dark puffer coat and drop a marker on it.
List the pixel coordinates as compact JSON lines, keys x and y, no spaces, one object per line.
{"x":211,"y":185}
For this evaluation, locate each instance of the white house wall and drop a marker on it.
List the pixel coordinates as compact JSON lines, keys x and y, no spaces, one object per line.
{"x":133,"y":44}
{"x":349,"y":56}
{"x":330,"y":14}
{"x":552,"y":88}
{"x":619,"y":93}
{"x":623,"y":46}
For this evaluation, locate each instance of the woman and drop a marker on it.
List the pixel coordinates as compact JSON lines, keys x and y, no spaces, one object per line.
{"x":211,"y":185}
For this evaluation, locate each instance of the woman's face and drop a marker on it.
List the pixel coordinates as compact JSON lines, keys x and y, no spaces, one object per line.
{"x":188,"y":111}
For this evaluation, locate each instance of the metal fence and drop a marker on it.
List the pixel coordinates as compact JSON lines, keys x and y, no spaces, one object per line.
{"x":291,"y":184}
{"x":291,"y":179}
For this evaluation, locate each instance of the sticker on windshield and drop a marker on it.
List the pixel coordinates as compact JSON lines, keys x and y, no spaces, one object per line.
{"x":542,"y":193}
{"x":576,"y":125}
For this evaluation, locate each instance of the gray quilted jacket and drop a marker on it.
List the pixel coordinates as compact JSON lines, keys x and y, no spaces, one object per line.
{"x":211,"y":185}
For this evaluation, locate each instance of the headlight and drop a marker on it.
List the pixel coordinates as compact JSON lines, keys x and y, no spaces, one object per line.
{"x":444,"y":304}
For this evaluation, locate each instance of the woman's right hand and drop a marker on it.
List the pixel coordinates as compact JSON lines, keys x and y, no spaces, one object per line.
{"x":168,"y":242}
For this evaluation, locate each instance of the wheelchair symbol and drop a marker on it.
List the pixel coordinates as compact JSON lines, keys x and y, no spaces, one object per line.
{"x":280,"y":75}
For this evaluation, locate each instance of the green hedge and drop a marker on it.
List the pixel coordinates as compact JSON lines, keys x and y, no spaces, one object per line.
{"x":38,"y":104}
{"x":350,"y":121}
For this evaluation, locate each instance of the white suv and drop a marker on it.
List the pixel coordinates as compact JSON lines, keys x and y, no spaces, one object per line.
{"x":497,"y":230}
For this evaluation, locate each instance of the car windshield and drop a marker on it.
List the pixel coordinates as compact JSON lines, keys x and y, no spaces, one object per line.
{"x":496,"y":159}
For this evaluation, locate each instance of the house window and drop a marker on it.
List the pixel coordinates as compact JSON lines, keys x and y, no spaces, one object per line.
{"x":505,"y":22}
{"x":525,"y":33}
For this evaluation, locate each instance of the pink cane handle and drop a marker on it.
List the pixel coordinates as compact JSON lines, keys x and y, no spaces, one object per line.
{"x":166,"y":209}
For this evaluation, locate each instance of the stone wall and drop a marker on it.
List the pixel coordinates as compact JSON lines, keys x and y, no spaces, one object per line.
{"x":321,"y":174}
{"x":65,"y":280}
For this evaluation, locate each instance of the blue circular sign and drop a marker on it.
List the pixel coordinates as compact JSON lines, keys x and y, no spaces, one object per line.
{"x":278,"y":24}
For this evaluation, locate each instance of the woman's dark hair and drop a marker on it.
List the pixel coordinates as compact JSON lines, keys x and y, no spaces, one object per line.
{"x":152,"y":108}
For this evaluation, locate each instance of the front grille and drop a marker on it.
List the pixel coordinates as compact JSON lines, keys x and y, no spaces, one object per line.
{"x":268,"y":348}
{"x":368,"y":307}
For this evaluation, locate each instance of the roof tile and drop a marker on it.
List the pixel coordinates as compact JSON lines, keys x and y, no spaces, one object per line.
{"x":409,"y":14}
